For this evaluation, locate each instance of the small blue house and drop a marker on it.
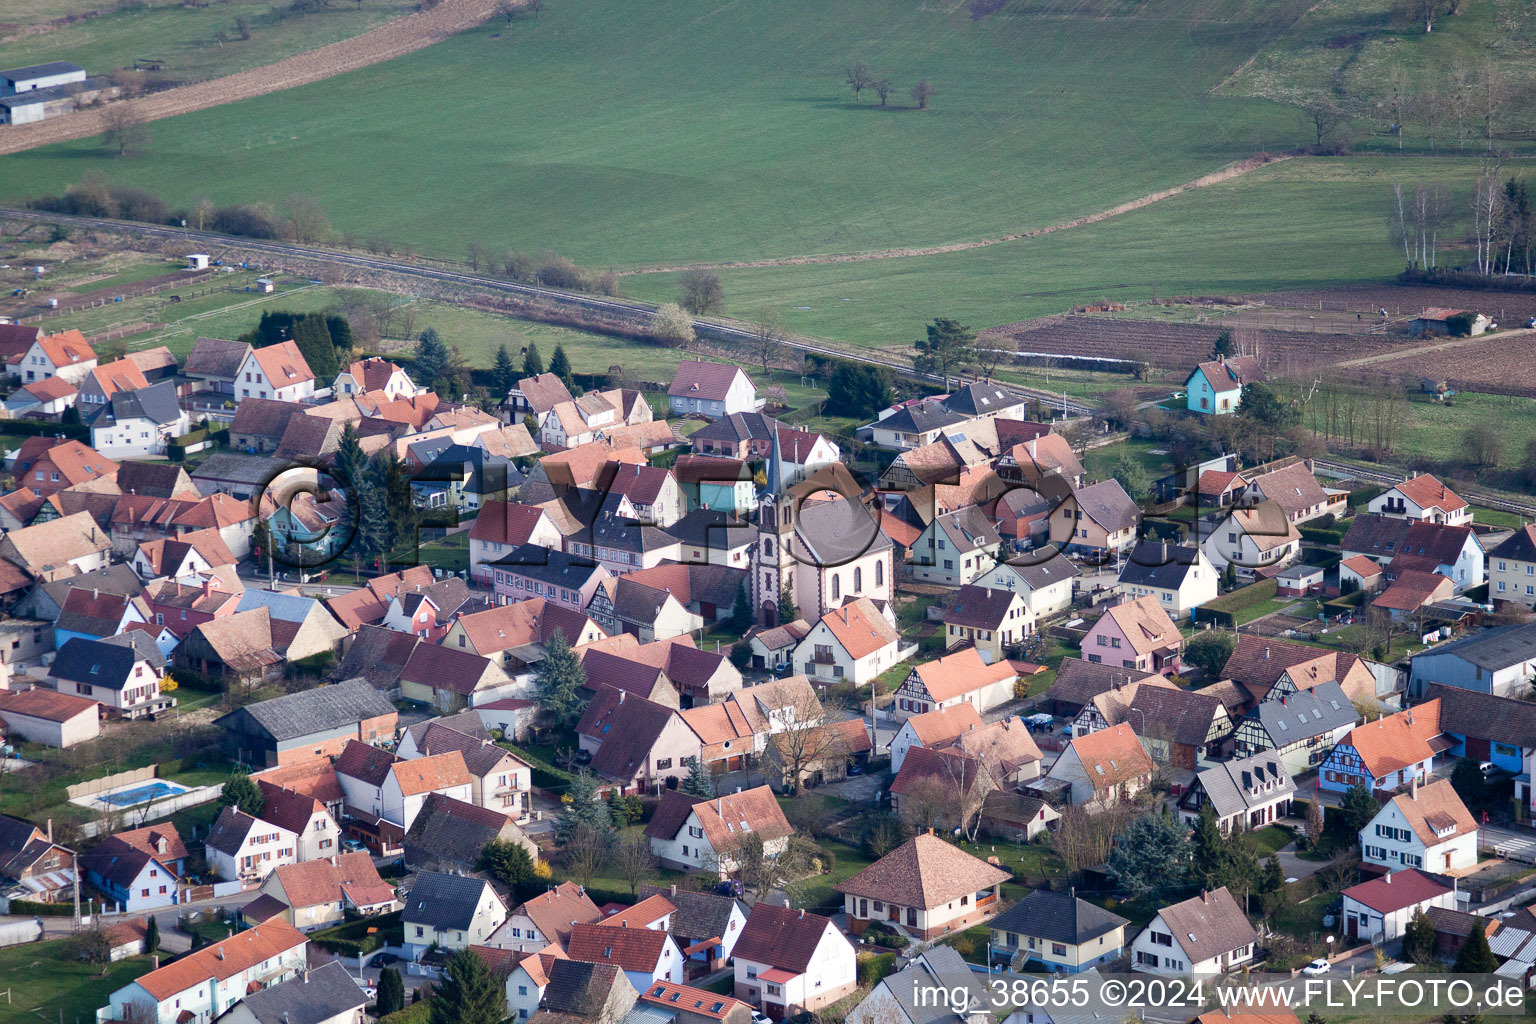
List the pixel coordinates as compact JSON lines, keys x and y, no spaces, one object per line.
{"x":1216,"y":387}
{"x":711,"y":482}
{"x":312,"y":527}
{"x":1485,"y":727}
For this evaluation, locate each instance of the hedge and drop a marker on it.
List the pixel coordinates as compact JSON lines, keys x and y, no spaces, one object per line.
{"x":33,"y":428}
{"x":25,"y":907}
{"x":1223,"y":610}
{"x":1320,"y":535}
{"x":352,"y":938}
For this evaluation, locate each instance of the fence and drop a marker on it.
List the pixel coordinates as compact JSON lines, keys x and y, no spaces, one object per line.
{"x":135,"y":291}
{"x":93,"y":786}
{"x":159,"y":808}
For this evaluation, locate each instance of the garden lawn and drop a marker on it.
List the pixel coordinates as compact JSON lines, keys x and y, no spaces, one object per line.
{"x":45,"y":981}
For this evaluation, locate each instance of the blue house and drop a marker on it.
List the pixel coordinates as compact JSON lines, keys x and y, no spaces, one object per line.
{"x":1484,"y":727}
{"x":311,"y":527}
{"x":1387,"y":754}
{"x":1216,"y":387}
{"x":709,"y":481}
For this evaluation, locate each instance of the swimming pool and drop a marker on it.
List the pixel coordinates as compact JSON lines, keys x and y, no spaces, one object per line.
{"x":142,"y":794}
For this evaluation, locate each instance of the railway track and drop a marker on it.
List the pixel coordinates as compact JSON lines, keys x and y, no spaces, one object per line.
{"x":707,"y":327}
{"x":1333,"y":467}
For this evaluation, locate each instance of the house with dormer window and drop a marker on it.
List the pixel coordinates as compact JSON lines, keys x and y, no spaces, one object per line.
{"x":277,"y":372}
{"x":1393,"y":751}
{"x":1204,"y":935}
{"x":1427,"y":827}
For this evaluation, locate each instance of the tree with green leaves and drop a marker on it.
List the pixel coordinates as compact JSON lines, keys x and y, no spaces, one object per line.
{"x":741,"y":610}
{"x":581,"y":809}
{"x":507,"y":861}
{"x":741,"y":655}
{"x":700,"y":782}
{"x":351,"y":463}
{"x":1315,"y":1018}
{"x":1474,"y":956}
{"x":467,"y":993}
{"x":313,"y":338}
{"x":1261,"y":405}
{"x":341,"y":330}
{"x":859,"y":390}
{"x":949,"y":348}
{"x":373,"y":532}
{"x":395,"y":488}
{"x":1153,"y":853}
{"x":533,"y":362}
{"x":1205,"y":845}
{"x":151,"y":935}
{"x":242,"y":794}
{"x":1314,"y":823}
{"x":1229,"y":575}
{"x":1467,"y":779}
{"x":788,"y":610}
{"x":558,"y":679}
{"x":1224,"y":347}
{"x":560,"y":366}
{"x":431,"y":357}
{"x":1209,"y":650}
{"x":391,"y":997}
{"x":1357,"y":808}
{"x":1419,"y":938}
{"x":1132,"y":476}
{"x":504,"y":373}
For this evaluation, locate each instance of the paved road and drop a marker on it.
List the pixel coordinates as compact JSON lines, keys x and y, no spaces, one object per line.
{"x":1511,"y":844}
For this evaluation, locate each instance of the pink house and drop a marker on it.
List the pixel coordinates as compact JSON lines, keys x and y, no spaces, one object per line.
{"x":557,"y":577}
{"x":1135,"y":634}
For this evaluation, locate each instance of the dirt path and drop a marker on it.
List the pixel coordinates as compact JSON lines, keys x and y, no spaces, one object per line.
{"x":1418,"y":350}
{"x":1214,"y":178}
{"x":386,"y":42}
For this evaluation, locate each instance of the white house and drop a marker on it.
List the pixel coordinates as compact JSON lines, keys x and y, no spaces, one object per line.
{"x":712,"y":390}
{"x":526,"y":973}
{"x":204,"y":984}
{"x":67,"y":356}
{"x":1206,"y":934}
{"x":1253,"y":538}
{"x":547,"y":919}
{"x":693,"y":833}
{"x":1044,"y":578}
{"x":956,"y":548}
{"x":307,"y":818}
{"x":1179,"y":576}
{"x":1427,"y":827}
{"x":1104,"y":767}
{"x":124,"y":677}
{"x":933,"y":729}
{"x":1422,"y":497}
{"x":789,"y":961}
{"x":373,"y":375}
{"x":141,"y":423}
{"x":137,"y":869}
{"x":854,"y":643}
{"x":1246,"y":793}
{"x":961,"y":677}
{"x":376,"y":782}
{"x":1384,"y":906}
{"x":276,"y":371}
{"x":453,"y":911}
{"x":645,"y":955}
{"x":1216,"y":387}
{"x":320,"y":893}
{"x":246,"y":849}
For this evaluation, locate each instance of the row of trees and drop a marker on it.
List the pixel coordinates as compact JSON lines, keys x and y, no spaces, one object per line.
{"x":1496,"y":217}
{"x":506,"y":373}
{"x":860,"y":76}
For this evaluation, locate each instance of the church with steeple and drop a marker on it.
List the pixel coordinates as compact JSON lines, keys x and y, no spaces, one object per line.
{"x":819,"y":541}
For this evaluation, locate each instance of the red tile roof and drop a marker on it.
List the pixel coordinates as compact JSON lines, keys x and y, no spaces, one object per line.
{"x":1397,"y":741}
{"x":629,"y":949}
{"x":223,"y":959}
{"x":1396,"y":891}
{"x":45,"y":704}
{"x":284,"y":364}
{"x":1428,"y":492}
{"x":781,"y":937}
{"x":698,"y":379}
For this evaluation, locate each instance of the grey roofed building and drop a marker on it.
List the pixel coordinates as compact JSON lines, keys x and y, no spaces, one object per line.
{"x":142,"y":644}
{"x":969,"y":529}
{"x":94,"y":662}
{"x":979,"y":607}
{"x":551,"y":567}
{"x":155,"y":479}
{"x":444,"y":902}
{"x":377,"y":655}
{"x":449,"y":833}
{"x":1107,"y":504}
{"x":1376,"y":536}
{"x":1039,"y":574}
{"x":610,"y":530}
{"x":983,"y":398}
{"x":1519,"y":546}
{"x":48,"y":70}
{"x":1305,"y":713}
{"x":1493,"y":648}
{"x":713,"y":529}
{"x":1079,"y":681}
{"x":258,"y":732}
{"x":1473,"y":715}
{"x":215,"y":357}
{"x":700,"y":915}
{"x":1057,"y":917}
{"x":836,"y":532}
{"x":465,"y":723}
{"x":313,"y":997}
{"x":235,"y":474}
{"x":229,"y":830}
{"x":157,"y":403}
{"x":480,"y":471}
{"x":1498,"y":660}
{"x":1159,"y":565}
{"x":938,"y":967}
{"x":584,"y":990}
{"x":921,"y":417}
{"x":1232,"y":787}
{"x":47,"y":601}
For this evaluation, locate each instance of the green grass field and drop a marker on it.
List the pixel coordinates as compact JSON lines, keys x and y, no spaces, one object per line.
{"x":727,"y":132}
{"x":47,"y":983}
{"x":187,"y":39}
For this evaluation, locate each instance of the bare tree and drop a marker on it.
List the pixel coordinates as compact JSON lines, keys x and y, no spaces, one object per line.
{"x":535,"y":6}
{"x":1084,"y":839}
{"x":798,"y":737}
{"x":1488,"y":201}
{"x":859,"y":77}
{"x":307,"y":222}
{"x":506,"y":9}
{"x":882,"y":87}
{"x":1491,"y":95}
{"x":767,"y":342}
{"x":922,"y":92}
{"x":586,"y":854}
{"x":1483,"y":444}
{"x":1325,"y":119}
{"x":1404,"y":231}
{"x":126,"y":131}
{"x":927,"y":804}
{"x":992,"y":349}
{"x":634,"y":860}
{"x":1399,"y":100}
{"x":702,"y":292}
{"x":1428,"y":106}
{"x":1458,"y":98}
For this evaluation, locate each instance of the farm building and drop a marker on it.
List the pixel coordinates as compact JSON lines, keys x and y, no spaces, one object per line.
{"x":47,"y":90}
{"x":39,"y":76}
{"x":1436,"y":320}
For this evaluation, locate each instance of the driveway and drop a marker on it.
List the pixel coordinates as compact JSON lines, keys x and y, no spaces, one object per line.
{"x":861,"y":789}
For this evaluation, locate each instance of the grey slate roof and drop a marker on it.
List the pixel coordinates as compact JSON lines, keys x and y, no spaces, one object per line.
{"x":444,"y":901}
{"x":1160,"y":565}
{"x":969,"y":529}
{"x":449,"y":831}
{"x":235,"y":467}
{"x":1305,"y":713}
{"x":1037,"y":574}
{"x":938,"y":967}
{"x":579,"y":988}
{"x":309,"y":711}
{"x":142,"y":644}
{"x":548,"y":566}
{"x":1234,"y":786}
{"x":53,"y":67}
{"x":215,"y":357}
{"x":921,"y":417}
{"x":700,"y":915}
{"x":1485,"y":715}
{"x":713,"y":529}
{"x":1492,"y":649}
{"x":1057,"y":917}
{"x":836,"y":532}
{"x":318,"y":995}
{"x":229,"y":830}
{"x":156,"y":403}
{"x":982,"y":398}
{"x":94,"y":662}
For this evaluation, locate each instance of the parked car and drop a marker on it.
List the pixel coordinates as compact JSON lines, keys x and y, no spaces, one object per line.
{"x":1488,"y":768}
{"x":1318,"y":966}
{"x":353,"y":845}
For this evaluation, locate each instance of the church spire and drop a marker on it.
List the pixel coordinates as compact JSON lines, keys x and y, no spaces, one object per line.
{"x":775,"y":462}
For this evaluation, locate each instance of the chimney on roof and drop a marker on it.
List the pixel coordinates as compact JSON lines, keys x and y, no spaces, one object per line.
{"x":1205,"y":896}
{"x":1413,"y":788}
{"x":50,"y":830}
{"x":1388,"y":877}
{"x":219,"y":953}
{"x":802,"y":913}
{"x":786,"y":903}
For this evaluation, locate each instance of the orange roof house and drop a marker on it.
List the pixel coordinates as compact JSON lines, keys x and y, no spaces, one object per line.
{"x":1391,"y":752}
{"x":1104,"y":766}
